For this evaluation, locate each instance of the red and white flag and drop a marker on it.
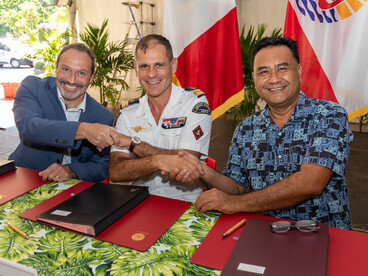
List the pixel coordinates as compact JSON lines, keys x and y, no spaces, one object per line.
{"x":332,"y":37}
{"x":205,"y":38}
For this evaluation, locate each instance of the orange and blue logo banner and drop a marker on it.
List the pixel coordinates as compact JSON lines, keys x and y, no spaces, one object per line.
{"x":205,"y":38}
{"x":332,"y":37}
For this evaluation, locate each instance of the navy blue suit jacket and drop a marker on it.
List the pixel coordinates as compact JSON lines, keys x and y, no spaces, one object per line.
{"x":45,"y":133}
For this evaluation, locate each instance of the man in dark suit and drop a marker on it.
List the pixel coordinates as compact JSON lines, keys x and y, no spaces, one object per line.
{"x":64,"y":132}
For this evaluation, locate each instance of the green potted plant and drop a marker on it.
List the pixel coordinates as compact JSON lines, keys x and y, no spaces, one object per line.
{"x":112,"y":61}
{"x":247,"y":42}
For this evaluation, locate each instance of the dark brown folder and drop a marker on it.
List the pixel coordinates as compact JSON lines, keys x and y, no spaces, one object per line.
{"x":262,"y":252}
{"x":96,"y":208}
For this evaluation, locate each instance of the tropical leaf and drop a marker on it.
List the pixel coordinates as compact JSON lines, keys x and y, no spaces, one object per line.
{"x":33,"y":198}
{"x":108,"y":252}
{"x":112,"y":60}
{"x":201,"y":227}
{"x":102,"y":270}
{"x":25,"y":225}
{"x":149,"y":263}
{"x":185,"y":253}
{"x":60,"y":242}
{"x":177,"y":234}
{"x":42,"y":263}
{"x":200,"y":223}
{"x":15,"y":247}
{"x":78,"y":265}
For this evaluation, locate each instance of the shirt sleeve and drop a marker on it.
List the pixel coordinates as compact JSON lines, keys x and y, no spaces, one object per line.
{"x":122,"y":128}
{"x":235,"y":167}
{"x":197,"y":132}
{"x":330,"y":142}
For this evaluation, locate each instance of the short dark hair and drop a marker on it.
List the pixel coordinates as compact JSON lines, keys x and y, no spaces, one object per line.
{"x":276,"y":41}
{"x":80,"y":47}
{"x":152,"y":39}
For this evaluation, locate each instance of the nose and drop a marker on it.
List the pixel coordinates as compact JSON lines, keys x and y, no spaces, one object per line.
{"x":274,"y":76}
{"x":151,"y":72}
{"x":72,"y":77}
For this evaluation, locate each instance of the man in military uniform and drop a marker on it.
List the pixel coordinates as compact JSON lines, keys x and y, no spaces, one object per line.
{"x":155,"y":127}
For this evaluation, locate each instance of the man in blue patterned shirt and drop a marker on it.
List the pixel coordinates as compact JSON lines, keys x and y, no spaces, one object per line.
{"x":287,"y":160}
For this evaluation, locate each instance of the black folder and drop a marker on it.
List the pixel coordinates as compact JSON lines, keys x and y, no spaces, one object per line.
{"x":96,"y":208}
{"x":6,"y":166}
{"x":259,"y":251}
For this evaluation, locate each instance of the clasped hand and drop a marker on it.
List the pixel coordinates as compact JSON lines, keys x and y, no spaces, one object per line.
{"x":184,"y":167}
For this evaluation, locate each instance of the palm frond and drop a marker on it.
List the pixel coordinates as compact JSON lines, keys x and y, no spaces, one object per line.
{"x":112,"y":60}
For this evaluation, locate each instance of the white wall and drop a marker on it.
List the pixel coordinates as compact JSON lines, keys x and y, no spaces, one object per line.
{"x":254,"y":12}
{"x":250,"y":12}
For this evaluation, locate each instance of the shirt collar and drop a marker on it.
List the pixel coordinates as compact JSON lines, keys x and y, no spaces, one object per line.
{"x":303,"y":109}
{"x":144,"y":107}
{"x":81,"y":106}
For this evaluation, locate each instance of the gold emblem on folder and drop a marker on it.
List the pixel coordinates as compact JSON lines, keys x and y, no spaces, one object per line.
{"x":138,"y":236}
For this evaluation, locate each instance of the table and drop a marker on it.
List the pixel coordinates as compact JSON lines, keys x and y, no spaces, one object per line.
{"x":52,"y":251}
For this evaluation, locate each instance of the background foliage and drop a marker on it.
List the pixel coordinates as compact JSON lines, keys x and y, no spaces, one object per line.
{"x":21,"y":17}
{"x":113,"y":61}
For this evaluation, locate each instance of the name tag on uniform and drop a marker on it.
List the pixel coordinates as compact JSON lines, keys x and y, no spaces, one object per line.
{"x":174,"y":122}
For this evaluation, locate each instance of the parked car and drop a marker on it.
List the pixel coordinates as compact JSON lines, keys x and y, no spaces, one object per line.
{"x":14,"y":53}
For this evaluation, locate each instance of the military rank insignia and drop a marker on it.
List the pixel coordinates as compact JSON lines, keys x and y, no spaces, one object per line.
{"x":173,"y":122}
{"x":198,"y":133}
{"x":202,"y":108}
{"x":196,"y":91}
{"x":130,"y":102}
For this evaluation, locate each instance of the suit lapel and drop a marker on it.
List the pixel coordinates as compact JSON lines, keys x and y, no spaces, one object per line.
{"x":54,"y":98}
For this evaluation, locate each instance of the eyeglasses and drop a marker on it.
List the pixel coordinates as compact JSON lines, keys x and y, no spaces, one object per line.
{"x":302,"y":225}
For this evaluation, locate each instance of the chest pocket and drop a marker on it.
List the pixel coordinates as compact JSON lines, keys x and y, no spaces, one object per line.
{"x":170,"y":132}
{"x":169,"y":138}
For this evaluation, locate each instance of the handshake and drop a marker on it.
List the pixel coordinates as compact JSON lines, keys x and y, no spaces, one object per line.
{"x":100,"y":135}
{"x":180,"y":165}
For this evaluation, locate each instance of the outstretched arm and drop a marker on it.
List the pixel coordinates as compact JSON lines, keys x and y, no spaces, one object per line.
{"x":309,"y":181}
{"x":122,"y":168}
{"x":100,"y":135}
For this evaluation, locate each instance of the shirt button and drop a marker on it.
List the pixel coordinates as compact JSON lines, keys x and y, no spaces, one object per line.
{"x":280,"y":133}
{"x":280,"y":156}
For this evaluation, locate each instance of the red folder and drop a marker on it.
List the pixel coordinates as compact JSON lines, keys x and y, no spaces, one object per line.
{"x":18,"y":182}
{"x":139,"y":229}
{"x":215,"y":250}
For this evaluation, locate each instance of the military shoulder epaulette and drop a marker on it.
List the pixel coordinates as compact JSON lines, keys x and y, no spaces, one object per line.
{"x":130,"y":102}
{"x":196,"y":91}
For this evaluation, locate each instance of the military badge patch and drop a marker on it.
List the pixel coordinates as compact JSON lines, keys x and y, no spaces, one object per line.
{"x":174,"y":122}
{"x":202,"y":108}
{"x":198,"y":133}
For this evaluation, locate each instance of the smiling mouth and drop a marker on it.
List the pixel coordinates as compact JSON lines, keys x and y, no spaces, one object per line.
{"x":71,"y":86}
{"x":276,"y":88}
{"x":153,"y":82}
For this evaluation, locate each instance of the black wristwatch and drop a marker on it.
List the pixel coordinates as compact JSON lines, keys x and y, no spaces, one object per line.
{"x":135,"y":141}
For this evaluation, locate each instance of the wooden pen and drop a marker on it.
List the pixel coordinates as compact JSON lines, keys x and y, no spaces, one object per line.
{"x":232,"y":229}
{"x":16,"y":229}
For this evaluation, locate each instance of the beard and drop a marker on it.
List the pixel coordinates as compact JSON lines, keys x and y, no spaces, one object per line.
{"x":70,"y":95}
